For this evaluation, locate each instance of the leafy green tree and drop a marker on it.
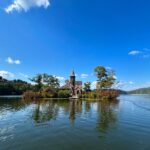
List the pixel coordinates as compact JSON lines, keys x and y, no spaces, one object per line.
{"x":38,"y":80}
{"x":52,"y":81}
{"x":13,"y":87}
{"x":45,"y":80}
{"x":87,"y":87}
{"x":105,"y":77}
{"x":63,"y":93}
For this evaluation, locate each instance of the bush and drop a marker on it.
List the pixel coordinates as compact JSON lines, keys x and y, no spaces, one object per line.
{"x":48,"y":93}
{"x":101,"y":94}
{"x":29,"y":95}
{"x":63,"y":94}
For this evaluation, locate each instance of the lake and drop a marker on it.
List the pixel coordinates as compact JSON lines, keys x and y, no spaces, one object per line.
{"x":81,"y":125}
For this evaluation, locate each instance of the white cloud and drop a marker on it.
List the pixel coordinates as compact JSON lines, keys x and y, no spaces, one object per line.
{"x":60,"y":78}
{"x":131,"y":82}
{"x":83,"y":75}
{"x":17,"y":62}
{"x":23,"y":75}
{"x":119,"y":85}
{"x":108,"y":68}
{"x":93,"y":85}
{"x":25,"y":5}
{"x":135,"y":52}
{"x":11,"y":61}
{"x":145,"y":85}
{"x":115,"y":77}
{"x":6,"y":74}
{"x":142,"y":53}
{"x":125,"y":85}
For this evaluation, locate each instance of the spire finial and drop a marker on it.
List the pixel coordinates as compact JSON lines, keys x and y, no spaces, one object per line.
{"x":72,"y":73}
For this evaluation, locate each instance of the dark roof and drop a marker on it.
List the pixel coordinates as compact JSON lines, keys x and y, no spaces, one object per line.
{"x":67,"y":86}
{"x":79,"y":83}
{"x":72,"y":73}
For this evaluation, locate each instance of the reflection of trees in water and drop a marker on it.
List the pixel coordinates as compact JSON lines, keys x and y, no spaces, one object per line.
{"x":45,"y":111}
{"x":11,"y":104}
{"x":107,"y":116}
{"x":88,"y":106}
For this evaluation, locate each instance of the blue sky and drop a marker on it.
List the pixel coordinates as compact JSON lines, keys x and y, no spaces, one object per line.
{"x":55,"y":36}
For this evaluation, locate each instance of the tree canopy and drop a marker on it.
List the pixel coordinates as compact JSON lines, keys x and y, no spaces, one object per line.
{"x":87,"y":87}
{"x":13,"y":87}
{"x":45,"y":80}
{"x":105,"y":77}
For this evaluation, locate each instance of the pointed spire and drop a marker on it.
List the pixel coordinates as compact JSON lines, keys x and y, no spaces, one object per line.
{"x":72,"y":73}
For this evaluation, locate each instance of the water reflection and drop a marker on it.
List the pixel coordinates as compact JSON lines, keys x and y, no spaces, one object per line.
{"x":107,"y":116}
{"x":43,"y":111}
{"x":75,"y":107}
{"x":11,"y":104}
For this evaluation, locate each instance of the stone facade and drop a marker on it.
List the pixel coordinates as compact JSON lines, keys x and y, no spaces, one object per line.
{"x":73,"y":85}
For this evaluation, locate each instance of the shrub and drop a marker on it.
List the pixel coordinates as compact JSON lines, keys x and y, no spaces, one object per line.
{"x":31,"y":95}
{"x":101,"y":94}
{"x":63,"y":94}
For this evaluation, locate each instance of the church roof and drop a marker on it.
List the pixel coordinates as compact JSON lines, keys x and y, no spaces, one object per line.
{"x":79,"y":83}
{"x":72,"y":73}
{"x":67,"y":86}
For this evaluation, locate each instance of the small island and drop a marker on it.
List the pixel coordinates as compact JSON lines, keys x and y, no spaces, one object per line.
{"x":48,"y":86}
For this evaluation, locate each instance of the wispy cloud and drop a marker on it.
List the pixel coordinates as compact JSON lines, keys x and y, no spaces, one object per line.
{"x":135,"y":52}
{"x":6,"y":74}
{"x":11,"y":61}
{"x":23,"y":75}
{"x":108,"y":68}
{"x":83,"y":75}
{"x":25,"y":5}
{"x":142,"y":53}
{"x":60,"y":78}
{"x":125,"y":85}
{"x":145,"y":85}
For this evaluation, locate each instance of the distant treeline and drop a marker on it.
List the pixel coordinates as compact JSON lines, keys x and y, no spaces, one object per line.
{"x":122,"y":92}
{"x":13,"y":87}
{"x":140,"y":91}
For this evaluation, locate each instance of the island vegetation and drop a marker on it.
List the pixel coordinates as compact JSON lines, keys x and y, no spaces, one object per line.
{"x":13,"y":87}
{"x":48,"y":86}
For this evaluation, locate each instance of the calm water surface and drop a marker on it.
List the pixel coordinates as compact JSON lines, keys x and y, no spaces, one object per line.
{"x":83,"y":125}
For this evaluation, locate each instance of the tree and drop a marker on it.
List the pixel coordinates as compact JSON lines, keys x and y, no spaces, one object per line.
{"x":106,"y":78}
{"x":1,"y":78}
{"x":13,"y":87}
{"x":87,"y":87}
{"x":38,"y":79}
{"x":67,"y":82}
{"x":45,"y":80}
{"x":52,"y":81}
